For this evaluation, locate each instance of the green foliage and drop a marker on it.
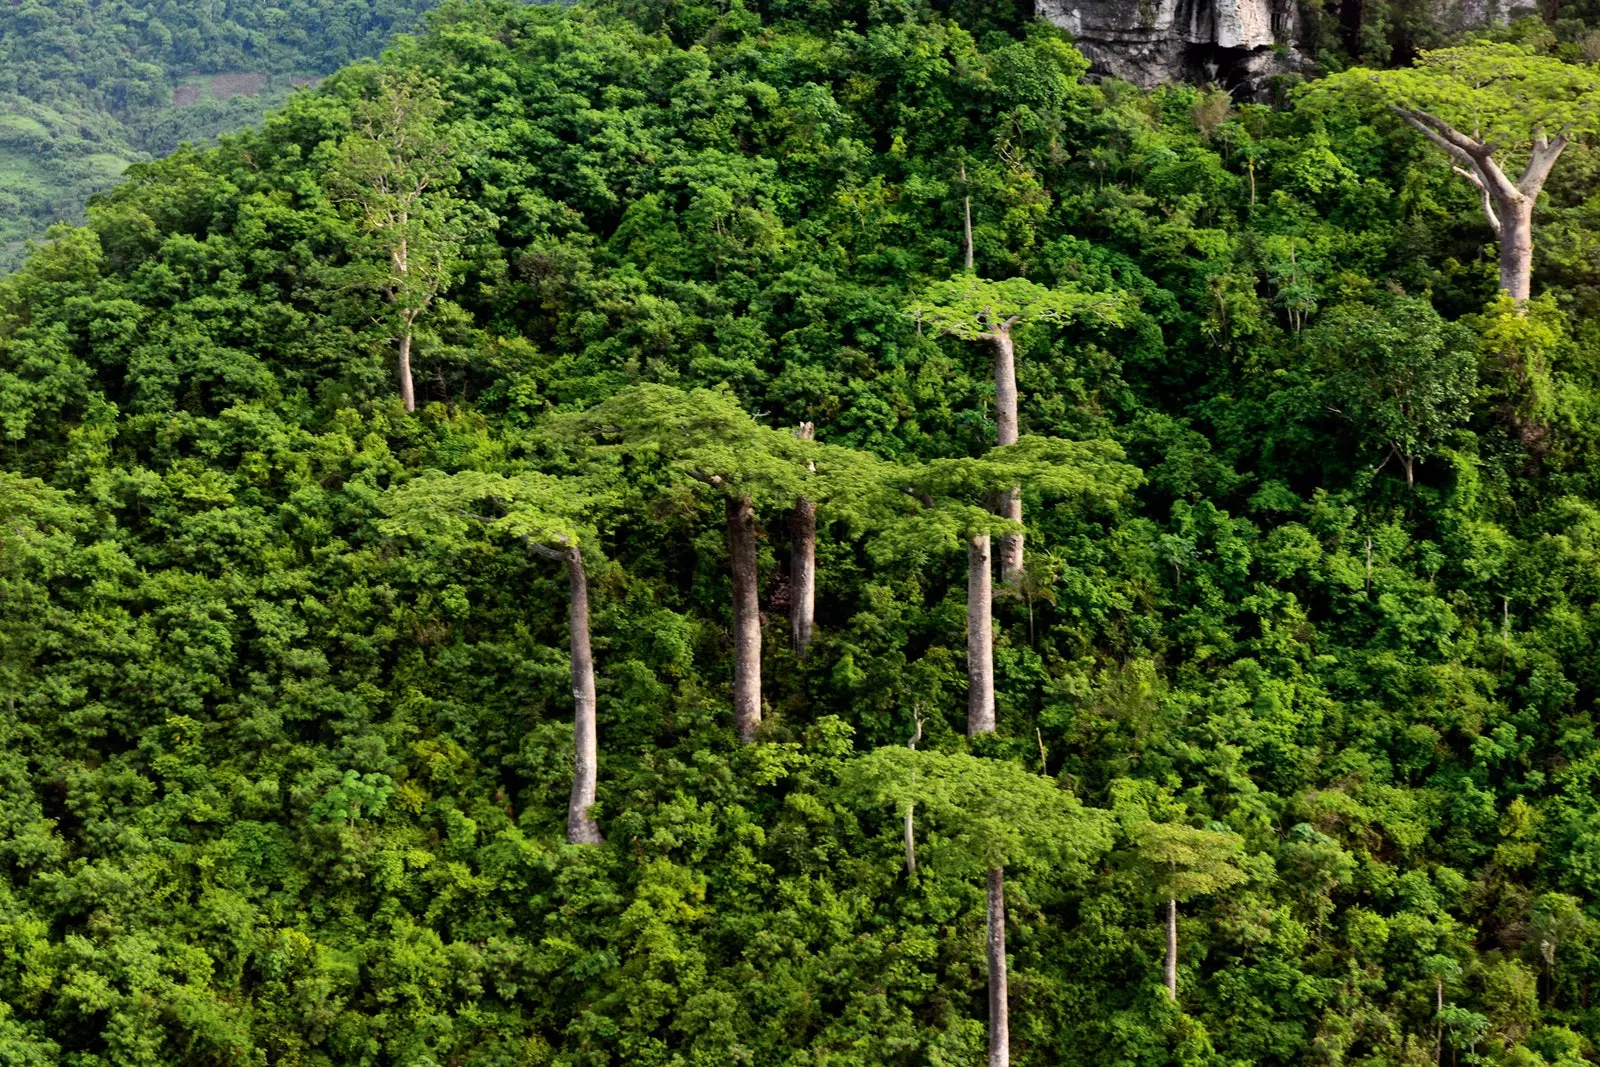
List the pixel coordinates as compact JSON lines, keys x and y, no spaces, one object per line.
{"x":87,"y":89}
{"x":285,"y":706}
{"x":1506,"y":95}
{"x":980,"y":814}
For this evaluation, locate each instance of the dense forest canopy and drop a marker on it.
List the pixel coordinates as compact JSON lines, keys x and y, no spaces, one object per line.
{"x":89,"y":86}
{"x":1202,"y":556}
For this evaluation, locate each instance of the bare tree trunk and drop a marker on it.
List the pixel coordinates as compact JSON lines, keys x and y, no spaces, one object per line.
{"x":803,"y":563}
{"x":1006,"y":432}
{"x":980,"y":638}
{"x":980,"y":720}
{"x":581,"y":827}
{"x":1516,"y":247}
{"x":1172,"y":951}
{"x":966,"y":219}
{"x":408,"y":391}
{"x":911,"y":826}
{"x":999,"y":1002}
{"x":803,"y":574}
{"x":746,"y":617}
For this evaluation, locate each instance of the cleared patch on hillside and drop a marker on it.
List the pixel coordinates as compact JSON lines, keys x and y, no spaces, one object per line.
{"x":218,"y":87}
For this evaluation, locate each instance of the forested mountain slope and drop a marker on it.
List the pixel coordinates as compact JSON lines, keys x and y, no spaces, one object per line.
{"x":88,"y":86}
{"x":1296,"y":640}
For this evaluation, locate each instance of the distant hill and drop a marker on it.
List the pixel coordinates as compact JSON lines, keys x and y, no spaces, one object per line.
{"x":88,"y":88}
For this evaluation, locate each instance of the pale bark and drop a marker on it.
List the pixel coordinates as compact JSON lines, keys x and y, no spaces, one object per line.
{"x":1516,"y":248}
{"x":966,"y":220}
{"x":980,"y":720}
{"x":1172,"y":951}
{"x":803,"y":574}
{"x":803,"y":564}
{"x":581,"y":827}
{"x":400,"y":258}
{"x":746,"y":617}
{"x":1507,"y":205}
{"x":408,"y":392}
{"x":911,"y":826}
{"x":980,"y":638}
{"x":1006,"y":433}
{"x":999,"y":1006}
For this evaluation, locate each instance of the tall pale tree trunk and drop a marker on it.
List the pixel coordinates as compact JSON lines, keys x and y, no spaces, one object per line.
{"x":980,"y":637}
{"x":1006,"y":432}
{"x":999,"y":1006}
{"x":408,"y":391}
{"x":803,"y":563}
{"x":1172,"y":951}
{"x":966,"y":219}
{"x":401,"y":261}
{"x":980,"y":720}
{"x":911,"y":824}
{"x":746,"y":617}
{"x":581,"y":827}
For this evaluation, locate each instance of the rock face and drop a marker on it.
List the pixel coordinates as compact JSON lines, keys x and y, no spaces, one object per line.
{"x":1236,"y":43}
{"x":1152,"y":41}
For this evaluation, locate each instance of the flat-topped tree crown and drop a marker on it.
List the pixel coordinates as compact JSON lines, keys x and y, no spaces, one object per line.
{"x":537,"y":508}
{"x":974,"y":308}
{"x":1503,"y":114}
{"x":702,"y":435}
{"x":982,"y":813}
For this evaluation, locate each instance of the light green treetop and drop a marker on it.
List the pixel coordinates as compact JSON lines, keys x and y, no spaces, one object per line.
{"x":980,"y":814}
{"x":701,"y":435}
{"x":934,"y":507}
{"x":543,"y":511}
{"x":1501,"y":95}
{"x":971,"y":308}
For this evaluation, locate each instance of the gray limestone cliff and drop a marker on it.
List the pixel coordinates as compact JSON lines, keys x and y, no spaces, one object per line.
{"x":1238,"y":43}
{"x":1153,"y":41}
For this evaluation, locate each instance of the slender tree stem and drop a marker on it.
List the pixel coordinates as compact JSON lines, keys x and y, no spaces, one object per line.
{"x":966,"y":219}
{"x":999,"y":1001}
{"x":980,"y":637}
{"x":1006,"y":433}
{"x":803,"y":564}
{"x":1172,"y":951}
{"x":581,"y":827}
{"x":746,"y":617}
{"x":911,"y":826}
{"x":408,"y":391}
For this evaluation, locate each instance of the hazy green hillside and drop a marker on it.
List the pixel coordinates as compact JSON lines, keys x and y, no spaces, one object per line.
{"x":492,"y":728}
{"x":88,"y":86}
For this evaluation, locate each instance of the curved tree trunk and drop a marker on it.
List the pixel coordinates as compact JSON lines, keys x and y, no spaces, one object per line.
{"x":999,"y":1001}
{"x":1006,"y":432}
{"x":581,"y":827}
{"x":746,"y":617}
{"x":1172,"y":951}
{"x":980,"y":638}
